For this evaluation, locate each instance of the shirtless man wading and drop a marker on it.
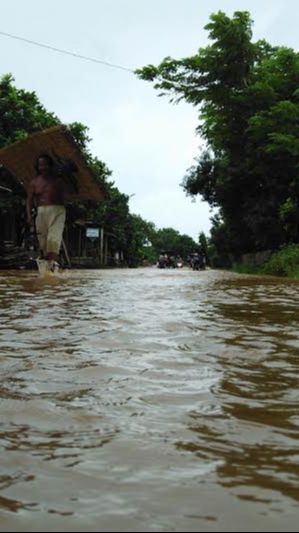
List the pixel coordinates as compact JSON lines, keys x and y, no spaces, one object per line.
{"x":47,"y":193}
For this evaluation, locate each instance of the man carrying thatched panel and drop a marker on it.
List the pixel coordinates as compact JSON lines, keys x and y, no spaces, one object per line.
{"x":47,"y":193}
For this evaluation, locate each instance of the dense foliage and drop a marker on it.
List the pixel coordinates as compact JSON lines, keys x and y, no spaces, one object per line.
{"x":247,"y":94}
{"x":285,"y":262}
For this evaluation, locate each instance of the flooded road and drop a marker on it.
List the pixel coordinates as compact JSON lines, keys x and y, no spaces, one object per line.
{"x":149,"y":400}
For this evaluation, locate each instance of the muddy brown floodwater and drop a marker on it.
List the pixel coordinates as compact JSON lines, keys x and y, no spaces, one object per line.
{"x":149,"y":400}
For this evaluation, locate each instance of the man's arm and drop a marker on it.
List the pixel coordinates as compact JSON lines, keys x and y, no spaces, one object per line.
{"x":30,"y":203}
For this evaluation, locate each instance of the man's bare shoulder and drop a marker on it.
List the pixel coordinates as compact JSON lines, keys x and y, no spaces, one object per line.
{"x":33,"y":182}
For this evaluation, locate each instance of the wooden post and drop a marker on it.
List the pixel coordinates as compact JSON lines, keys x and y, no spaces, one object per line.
{"x":79,"y":242}
{"x":101,"y":246}
{"x":66,"y":253}
{"x":106,"y":251}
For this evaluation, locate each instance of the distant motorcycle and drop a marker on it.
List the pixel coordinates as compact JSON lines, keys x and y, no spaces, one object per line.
{"x":161,"y":263}
{"x":198,"y":262}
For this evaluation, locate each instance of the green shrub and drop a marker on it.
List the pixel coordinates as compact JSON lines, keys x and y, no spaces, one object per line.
{"x":285,"y":262}
{"x":246,"y":269}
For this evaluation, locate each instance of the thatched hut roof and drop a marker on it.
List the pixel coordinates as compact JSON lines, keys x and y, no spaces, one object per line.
{"x":20,"y":157}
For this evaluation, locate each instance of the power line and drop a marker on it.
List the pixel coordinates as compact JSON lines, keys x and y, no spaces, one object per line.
{"x":66,"y":52}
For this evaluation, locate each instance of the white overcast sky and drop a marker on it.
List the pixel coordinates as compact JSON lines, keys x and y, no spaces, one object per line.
{"x":147,"y":142}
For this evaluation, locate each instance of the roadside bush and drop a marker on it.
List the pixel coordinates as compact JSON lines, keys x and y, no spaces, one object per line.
{"x":285,"y":262}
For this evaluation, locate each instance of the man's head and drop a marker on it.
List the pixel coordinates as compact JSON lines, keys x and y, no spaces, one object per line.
{"x":44,"y":165}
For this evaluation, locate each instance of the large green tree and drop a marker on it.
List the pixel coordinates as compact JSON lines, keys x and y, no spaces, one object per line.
{"x":171,"y":241}
{"x":140,"y":235}
{"x":248,"y":101}
{"x":21,"y":113}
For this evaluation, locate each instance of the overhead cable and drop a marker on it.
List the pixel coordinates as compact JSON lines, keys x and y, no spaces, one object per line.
{"x":66,"y":52}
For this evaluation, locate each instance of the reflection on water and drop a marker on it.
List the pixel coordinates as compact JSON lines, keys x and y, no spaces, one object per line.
{"x":147,"y":400}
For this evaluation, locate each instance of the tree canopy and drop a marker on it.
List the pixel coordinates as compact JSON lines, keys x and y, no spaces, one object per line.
{"x":248,"y":100}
